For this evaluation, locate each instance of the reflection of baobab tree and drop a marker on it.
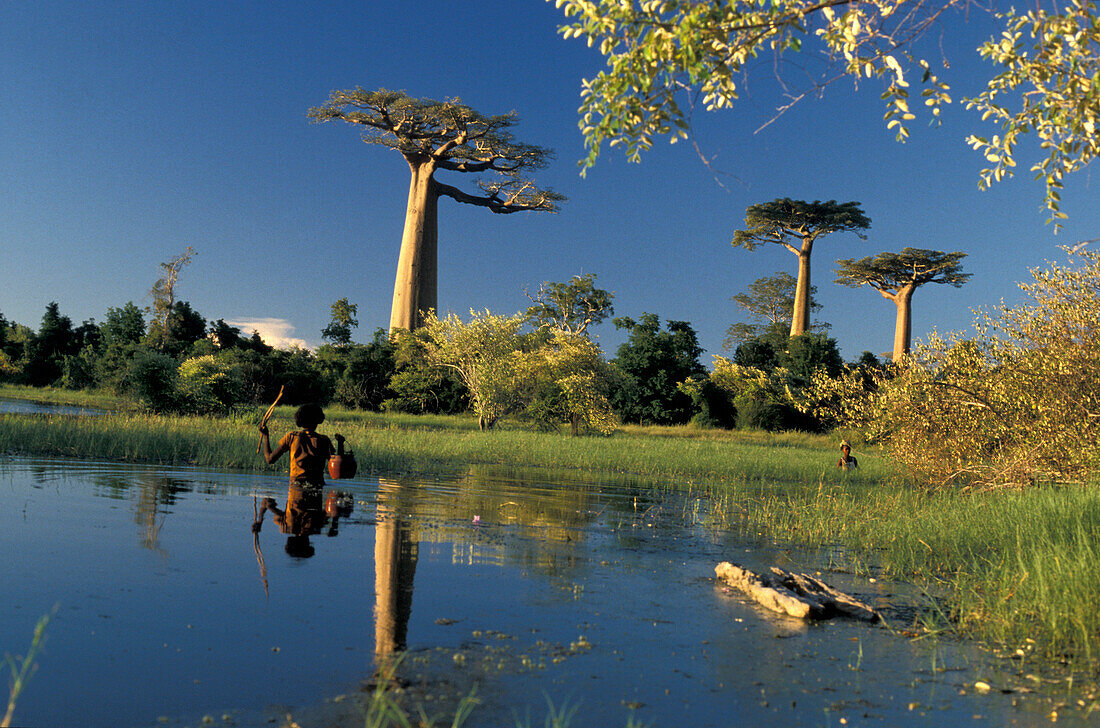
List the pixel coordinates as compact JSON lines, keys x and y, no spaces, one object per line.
{"x":395,"y":556}
{"x":155,"y":493}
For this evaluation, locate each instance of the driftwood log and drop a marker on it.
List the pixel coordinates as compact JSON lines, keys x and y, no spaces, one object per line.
{"x":797,"y":595}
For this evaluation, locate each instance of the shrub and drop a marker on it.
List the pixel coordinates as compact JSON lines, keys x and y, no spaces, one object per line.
{"x":1020,"y":403}
{"x":152,"y":380}
{"x":208,"y":385}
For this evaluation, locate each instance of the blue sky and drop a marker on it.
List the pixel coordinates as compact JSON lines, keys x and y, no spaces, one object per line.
{"x":131,"y":130}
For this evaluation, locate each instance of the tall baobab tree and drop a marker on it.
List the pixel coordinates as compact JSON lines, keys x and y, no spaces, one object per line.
{"x":897,"y":275}
{"x":432,"y":136}
{"x":796,"y":225}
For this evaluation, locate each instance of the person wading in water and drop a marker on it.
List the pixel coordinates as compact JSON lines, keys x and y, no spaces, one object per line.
{"x":846,"y":462}
{"x":309,"y":454}
{"x":309,"y":451}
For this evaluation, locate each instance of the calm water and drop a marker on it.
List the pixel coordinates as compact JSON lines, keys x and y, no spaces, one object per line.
{"x":171,"y":610}
{"x":26,"y":407}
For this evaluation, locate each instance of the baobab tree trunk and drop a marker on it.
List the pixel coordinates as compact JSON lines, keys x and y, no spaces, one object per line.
{"x":800,"y":318}
{"x":903,"y":327}
{"x":414,"y":289}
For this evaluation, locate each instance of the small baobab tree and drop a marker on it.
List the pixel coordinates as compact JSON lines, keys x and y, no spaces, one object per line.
{"x":433,"y":136}
{"x":796,"y":225}
{"x":897,"y":275}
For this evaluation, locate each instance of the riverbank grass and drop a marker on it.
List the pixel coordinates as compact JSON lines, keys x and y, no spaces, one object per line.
{"x":401,"y":443}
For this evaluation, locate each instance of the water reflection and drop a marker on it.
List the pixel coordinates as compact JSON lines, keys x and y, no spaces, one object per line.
{"x":396,"y":551}
{"x":534,"y":586}
{"x":27,"y":407}
{"x":307,"y":513}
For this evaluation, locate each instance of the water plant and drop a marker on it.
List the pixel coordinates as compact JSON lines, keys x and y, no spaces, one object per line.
{"x":22,"y":668}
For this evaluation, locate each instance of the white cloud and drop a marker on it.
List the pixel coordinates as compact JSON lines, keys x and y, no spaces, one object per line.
{"x":275,"y":332}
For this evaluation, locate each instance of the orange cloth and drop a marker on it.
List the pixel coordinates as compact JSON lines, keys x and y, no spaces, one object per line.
{"x":309,"y":453}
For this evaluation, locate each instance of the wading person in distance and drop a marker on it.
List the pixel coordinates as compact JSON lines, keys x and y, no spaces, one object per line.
{"x":846,"y":462}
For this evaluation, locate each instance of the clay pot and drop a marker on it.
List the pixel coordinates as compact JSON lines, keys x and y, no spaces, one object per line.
{"x":342,"y":467}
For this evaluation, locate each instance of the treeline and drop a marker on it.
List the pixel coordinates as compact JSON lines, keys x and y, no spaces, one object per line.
{"x":543,"y":370}
{"x":179,"y":362}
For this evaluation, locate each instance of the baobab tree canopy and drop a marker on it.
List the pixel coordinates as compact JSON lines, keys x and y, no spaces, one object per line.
{"x":795,"y":225}
{"x":440,"y":135}
{"x":781,"y":220}
{"x":890,"y":272}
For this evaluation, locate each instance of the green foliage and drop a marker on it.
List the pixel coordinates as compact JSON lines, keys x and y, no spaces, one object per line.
{"x":653,"y":362}
{"x":152,"y":380}
{"x":771,"y":397}
{"x":760,"y":353}
{"x":760,"y":399}
{"x":890,"y":272}
{"x":46,"y":351}
{"x":655,"y":49}
{"x":79,"y":371}
{"x":418,"y":386}
{"x":1018,"y":404}
{"x":769,"y":303}
{"x":483,"y":353}
{"x":808,"y":353}
{"x":713,"y":404}
{"x":566,"y":380}
{"x":180,"y":329}
{"x":1054,"y":81}
{"x":338,"y":331}
{"x":209,"y":384}
{"x":364,"y":382}
{"x":796,"y":223}
{"x":297,"y":370}
{"x":122,"y":326}
{"x":571,"y":307}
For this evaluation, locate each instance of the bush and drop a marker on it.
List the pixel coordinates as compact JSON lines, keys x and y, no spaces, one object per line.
{"x":208,"y":385}
{"x":152,"y":380}
{"x":1019,"y":404}
{"x":714,"y":405}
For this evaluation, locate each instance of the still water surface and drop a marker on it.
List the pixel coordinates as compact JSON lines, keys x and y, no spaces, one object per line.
{"x":172,"y":609}
{"x":27,"y":407}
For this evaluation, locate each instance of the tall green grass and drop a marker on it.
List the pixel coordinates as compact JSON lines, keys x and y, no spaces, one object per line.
{"x":1021,"y":568}
{"x":76,"y":398}
{"x":404,"y":443}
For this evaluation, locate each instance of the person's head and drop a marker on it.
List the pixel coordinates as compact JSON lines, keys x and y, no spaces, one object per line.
{"x":299,"y":547}
{"x":845,"y":447}
{"x":308,"y":416}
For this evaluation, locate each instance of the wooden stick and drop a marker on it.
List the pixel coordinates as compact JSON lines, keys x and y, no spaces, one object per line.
{"x":256,"y":548}
{"x":267,"y":416}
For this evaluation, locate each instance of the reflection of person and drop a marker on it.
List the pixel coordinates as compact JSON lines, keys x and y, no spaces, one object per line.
{"x":305,"y":516}
{"x":309,"y":451}
{"x":846,"y":462}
